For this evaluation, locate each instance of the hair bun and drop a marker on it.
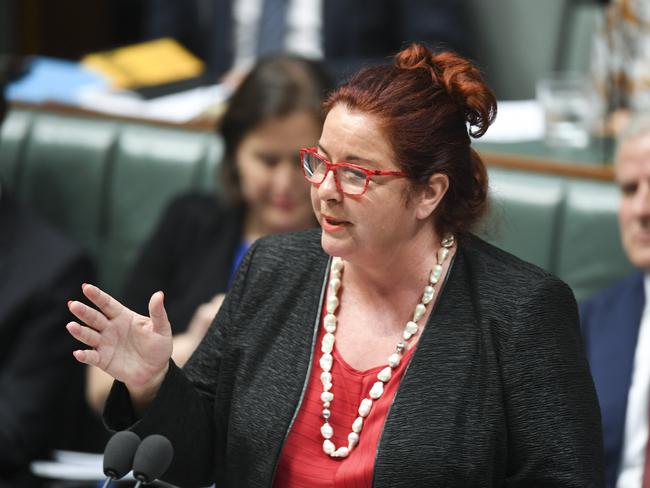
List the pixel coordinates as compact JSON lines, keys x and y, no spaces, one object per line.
{"x":459,"y":78}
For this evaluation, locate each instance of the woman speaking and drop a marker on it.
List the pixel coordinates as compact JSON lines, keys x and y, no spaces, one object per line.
{"x":391,"y":347}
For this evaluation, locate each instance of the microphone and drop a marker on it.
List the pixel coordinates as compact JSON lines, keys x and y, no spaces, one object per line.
{"x":151,"y":460}
{"x":118,"y":455}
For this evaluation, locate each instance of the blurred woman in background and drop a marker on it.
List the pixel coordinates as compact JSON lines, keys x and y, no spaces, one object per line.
{"x":197,"y":246}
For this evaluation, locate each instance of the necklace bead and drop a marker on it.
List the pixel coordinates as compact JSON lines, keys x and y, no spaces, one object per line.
{"x":394,"y":360}
{"x":376,"y":390}
{"x":365,"y":407}
{"x":385,"y":374}
{"x":427,"y":295}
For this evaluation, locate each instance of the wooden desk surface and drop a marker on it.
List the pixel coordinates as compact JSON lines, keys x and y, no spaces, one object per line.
{"x":594,"y":162}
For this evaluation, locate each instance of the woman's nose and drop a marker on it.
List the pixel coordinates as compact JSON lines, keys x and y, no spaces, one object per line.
{"x":328,"y":190}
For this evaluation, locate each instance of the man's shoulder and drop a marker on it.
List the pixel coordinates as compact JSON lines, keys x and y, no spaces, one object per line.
{"x":621,"y":291}
{"x":625,"y":298}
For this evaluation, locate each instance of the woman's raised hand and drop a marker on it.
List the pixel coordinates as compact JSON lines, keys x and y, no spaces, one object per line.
{"x":132,"y":348}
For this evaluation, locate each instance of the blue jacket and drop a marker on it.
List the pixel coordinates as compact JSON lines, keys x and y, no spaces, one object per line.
{"x":610,"y":325}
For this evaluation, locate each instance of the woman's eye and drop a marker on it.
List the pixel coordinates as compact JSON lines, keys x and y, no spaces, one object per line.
{"x":355,"y":174}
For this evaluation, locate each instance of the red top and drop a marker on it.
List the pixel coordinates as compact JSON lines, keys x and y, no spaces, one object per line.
{"x":302,"y":461}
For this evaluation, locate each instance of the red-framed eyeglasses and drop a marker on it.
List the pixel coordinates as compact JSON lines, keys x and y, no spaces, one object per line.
{"x":351,"y":179}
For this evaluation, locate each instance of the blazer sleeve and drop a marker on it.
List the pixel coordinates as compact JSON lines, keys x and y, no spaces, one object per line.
{"x":184,"y":408}
{"x":554,"y":427}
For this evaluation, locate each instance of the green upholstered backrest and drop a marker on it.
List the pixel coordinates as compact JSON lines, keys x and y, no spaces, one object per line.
{"x":565,"y":225}
{"x":13,"y":139}
{"x":64,"y":170}
{"x":590,"y":255}
{"x":523,"y":215}
{"x":104,"y":182}
{"x":150,"y":165}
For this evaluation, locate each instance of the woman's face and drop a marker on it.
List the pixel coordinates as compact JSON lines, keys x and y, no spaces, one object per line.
{"x":272,"y":185}
{"x":379,"y":222}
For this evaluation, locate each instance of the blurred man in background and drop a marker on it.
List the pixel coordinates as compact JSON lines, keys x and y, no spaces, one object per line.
{"x":231,"y":34}
{"x":616,"y":325}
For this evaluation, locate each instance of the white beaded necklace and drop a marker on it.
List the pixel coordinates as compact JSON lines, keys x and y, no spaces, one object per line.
{"x":327,"y":345}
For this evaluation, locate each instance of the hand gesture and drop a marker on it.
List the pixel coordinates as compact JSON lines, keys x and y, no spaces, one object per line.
{"x":132,"y":348}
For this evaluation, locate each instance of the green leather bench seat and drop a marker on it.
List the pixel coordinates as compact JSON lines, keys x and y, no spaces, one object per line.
{"x":105,"y":182}
{"x":150,"y":165}
{"x":590,"y":253}
{"x":64,"y":171}
{"x":523,"y":216}
{"x":565,"y":225}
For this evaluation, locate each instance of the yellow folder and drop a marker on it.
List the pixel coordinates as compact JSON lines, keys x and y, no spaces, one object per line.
{"x":145,"y":64}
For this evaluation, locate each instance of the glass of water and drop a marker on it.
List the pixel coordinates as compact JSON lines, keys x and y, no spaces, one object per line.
{"x":570,"y":109}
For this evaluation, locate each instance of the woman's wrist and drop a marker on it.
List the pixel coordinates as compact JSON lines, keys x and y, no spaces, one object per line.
{"x":143,"y":395}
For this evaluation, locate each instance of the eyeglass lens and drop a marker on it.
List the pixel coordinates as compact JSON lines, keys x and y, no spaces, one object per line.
{"x":351,"y":180}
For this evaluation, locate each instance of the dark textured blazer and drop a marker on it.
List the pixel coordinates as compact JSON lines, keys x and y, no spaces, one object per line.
{"x":497,"y":394}
{"x":189,"y":256}
{"x":354,"y":32}
{"x":610,"y":325}
{"x":40,"y":382}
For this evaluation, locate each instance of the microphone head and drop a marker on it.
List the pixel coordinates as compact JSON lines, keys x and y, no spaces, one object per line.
{"x":152,"y":458}
{"x":119,"y":452}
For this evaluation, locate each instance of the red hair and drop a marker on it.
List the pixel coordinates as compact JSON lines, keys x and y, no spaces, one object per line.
{"x":429,"y":105}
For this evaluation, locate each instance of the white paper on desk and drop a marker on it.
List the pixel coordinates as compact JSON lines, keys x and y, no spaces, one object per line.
{"x":517,"y":120}
{"x":69,"y":465}
{"x":177,"y":107}
{"x":80,"y":466}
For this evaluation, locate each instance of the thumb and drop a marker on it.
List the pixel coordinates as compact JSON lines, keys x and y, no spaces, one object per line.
{"x":158,"y":314}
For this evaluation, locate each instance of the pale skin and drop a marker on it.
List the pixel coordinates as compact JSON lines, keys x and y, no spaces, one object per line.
{"x":99,"y":382}
{"x":386,"y":239}
{"x":632,"y":170}
{"x":388,"y":243}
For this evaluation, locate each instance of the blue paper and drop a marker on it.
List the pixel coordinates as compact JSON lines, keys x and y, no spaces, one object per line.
{"x":55,"y":80}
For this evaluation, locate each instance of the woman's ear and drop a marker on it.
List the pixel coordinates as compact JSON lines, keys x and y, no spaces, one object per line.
{"x":431,"y":194}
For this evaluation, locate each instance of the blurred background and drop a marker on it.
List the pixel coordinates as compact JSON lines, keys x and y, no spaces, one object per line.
{"x":515,"y":42}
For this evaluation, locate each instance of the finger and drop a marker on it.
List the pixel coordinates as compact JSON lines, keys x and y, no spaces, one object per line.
{"x":106,"y":303}
{"x":158,"y":314}
{"x":87,"y":356}
{"x":218,"y":298}
{"x":83,"y":334}
{"x":88,"y":315}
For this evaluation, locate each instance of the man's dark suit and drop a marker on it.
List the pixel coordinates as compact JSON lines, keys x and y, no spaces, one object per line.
{"x":610,"y":325}
{"x":354,"y":32}
{"x":39,"y":273}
